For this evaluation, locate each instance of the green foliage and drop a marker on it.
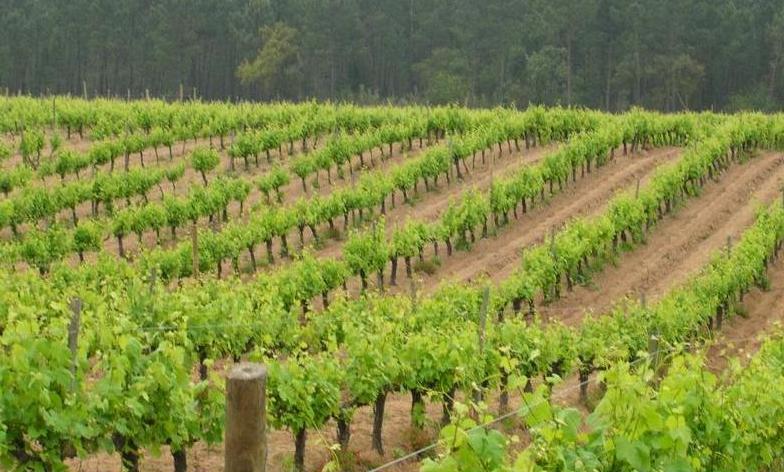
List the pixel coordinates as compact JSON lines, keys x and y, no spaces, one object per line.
{"x":366,"y":253}
{"x":445,"y":75}
{"x":204,"y":160}
{"x":277,"y":64}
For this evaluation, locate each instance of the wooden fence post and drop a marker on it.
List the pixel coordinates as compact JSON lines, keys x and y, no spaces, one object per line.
{"x":654,"y":352}
{"x":73,"y":335}
{"x":195,"y":249}
{"x":481,"y":330}
{"x":245,"y":441}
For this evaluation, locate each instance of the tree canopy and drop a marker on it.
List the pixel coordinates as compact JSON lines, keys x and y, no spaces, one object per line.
{"x":609,"y":54}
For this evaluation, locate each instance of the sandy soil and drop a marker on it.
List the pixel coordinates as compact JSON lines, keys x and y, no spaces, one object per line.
{"x":681,"y":243}
{"x":427,"y":206}
{"x":499,"y":255}
{"x":762,"y":312}
{"x":675,"y":248}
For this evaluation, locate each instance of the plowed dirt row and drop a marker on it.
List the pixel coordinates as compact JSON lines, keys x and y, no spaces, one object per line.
{"x":499,"y":255}
{"x":762,"y":312}
{"x":293,"y":190}
{"x":746,"y":184}
{"x":398,"y":436}
{"x":681,"y":243}
{"x":427,"y":206}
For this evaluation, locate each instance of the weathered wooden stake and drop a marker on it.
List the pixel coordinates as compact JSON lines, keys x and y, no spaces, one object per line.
{"x":412,"y":290}
{"x":73,"y":335}
{"x":653,"y":348}
{"x":481,"y":334}
{"x":152,"y":279}
{"x":729,"y":246}
{"x":245,"y":441}
{"x":483,"y":318}
{"x":195,"y":249}
{"x":84,"y":89}
{"x":637,"y":191}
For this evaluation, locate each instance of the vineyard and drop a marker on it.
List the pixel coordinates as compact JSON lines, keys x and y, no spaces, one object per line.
{"x":430,"y":288}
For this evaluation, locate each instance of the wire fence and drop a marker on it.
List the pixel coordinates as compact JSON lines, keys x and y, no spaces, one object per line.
{"x":558,"y":395}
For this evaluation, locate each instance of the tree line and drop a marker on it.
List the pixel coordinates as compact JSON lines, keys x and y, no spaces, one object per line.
{"x":609,"y":54}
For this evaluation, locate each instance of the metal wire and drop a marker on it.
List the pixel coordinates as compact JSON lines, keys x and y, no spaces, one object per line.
{"x":512,"y":413}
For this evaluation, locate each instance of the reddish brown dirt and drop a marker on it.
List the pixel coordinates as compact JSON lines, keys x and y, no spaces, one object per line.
{"x":399,"y":439}
{"x":762,"y":312}
{"x":427,"y":206}
{"x":681,"y":243}
{"x":728,"y":199}
{"x":291,"y":192}
{"x":499,"y":255}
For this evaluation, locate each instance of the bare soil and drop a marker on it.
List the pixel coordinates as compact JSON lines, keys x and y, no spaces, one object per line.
{"x":675,"y":249}
{"x":681,"y":243}
{"x":498,"y":256}
{"x":762,"y":313}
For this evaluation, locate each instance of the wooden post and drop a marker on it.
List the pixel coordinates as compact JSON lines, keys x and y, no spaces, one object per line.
{"x":181,"y":91}
{"x":73,"y":336}
{"x":245,"y":440}
{"x":483,"y":318}
{"x":152,"y":279}
{"x":637,"y":191}
{"x":481,"y":333}
{"x":147,"y":94}
{"x":554,"y":253}
{"x":653,"y":351}
{"x":729,"y":246}
{"x":84,"y":89}
{"x":195,"y":249}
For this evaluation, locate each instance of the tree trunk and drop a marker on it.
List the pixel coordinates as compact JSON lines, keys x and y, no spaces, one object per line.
{"x":363,"y":279}
{"x":393,"y":271}
{"x":378,"y":422}
{"x":417,"y":409}
{"x":300,"y":438}
{"x":180,"y":460}
{"x":448,"y":405}
{"x":270,"y":256}
{"x":584,"y":373}
{"x":344,"y":431}
{"x":252,"y":258}
{"x":503,"y":399}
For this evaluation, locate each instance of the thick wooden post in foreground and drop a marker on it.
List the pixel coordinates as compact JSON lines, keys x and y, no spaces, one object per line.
{"x":246,"y":441}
